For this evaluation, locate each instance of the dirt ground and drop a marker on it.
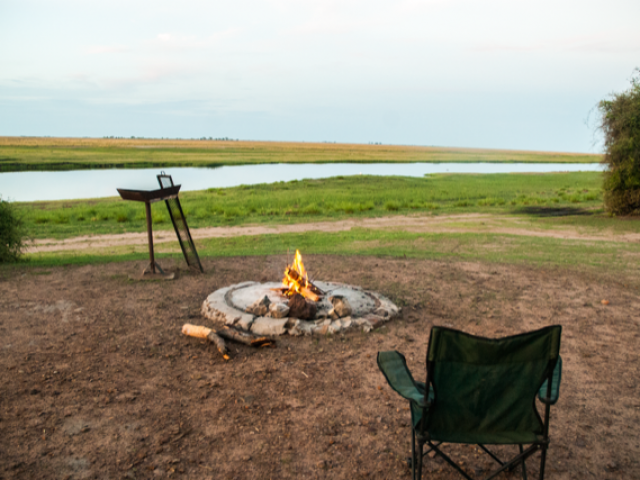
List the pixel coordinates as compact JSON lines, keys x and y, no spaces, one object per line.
{"x":96,"y":380}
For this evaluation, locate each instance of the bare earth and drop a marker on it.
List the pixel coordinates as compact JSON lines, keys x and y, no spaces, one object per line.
{"x":98,"y":382}
{"x":475,"y":223}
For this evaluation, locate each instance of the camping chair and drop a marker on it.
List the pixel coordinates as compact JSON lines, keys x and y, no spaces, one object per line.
{"x":480,"y":391}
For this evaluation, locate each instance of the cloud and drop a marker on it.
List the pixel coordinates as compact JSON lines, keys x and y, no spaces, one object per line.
{"x":600,"y":43}
{"x":159,"y":73}
{"x":176,"y":41}
{"x":100,"y":49}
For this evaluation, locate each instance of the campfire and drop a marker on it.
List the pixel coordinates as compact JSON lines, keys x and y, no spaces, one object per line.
{"x":296,"y":280}
{"x":296,"y":305}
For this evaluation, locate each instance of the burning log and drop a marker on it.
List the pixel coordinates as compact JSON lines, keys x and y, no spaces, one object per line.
{"x":296,"y":280}
{"x":216,"y":337}
{"x":302,"y":286}
{"x":301,"y":308}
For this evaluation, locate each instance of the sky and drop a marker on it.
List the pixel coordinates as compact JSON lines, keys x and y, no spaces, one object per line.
{"x":509,"y":74}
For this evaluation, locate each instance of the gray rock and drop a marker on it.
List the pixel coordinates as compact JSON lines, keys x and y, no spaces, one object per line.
{"x":301,"y":327}
{"x":335,"y":326}
{"x":216,"y":308}
{"x":341,"y":306}
{"x":269,"y":326}
{"x":364,"y":323}
{"x":244,"y":322}
{"x":346,"y":322}
{"x":278,"y":310}
{"x":375,"y":321}
{"x":259,"y":307}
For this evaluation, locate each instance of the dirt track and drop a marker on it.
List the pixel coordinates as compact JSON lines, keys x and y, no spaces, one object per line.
{"x":476,"y":223}
{"x":97,"y":381}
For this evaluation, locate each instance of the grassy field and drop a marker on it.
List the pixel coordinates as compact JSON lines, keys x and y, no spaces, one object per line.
{"x":557,"y":219}
{"x":540,"y":219}
{"x":326,"y":199}
{"x":35,"y":153}
{"x":621,"y":259}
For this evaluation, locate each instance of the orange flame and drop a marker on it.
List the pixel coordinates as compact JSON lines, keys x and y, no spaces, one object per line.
{"x":296,"y":280}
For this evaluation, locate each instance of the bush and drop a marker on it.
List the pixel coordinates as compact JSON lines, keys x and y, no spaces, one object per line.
{"x":621,"y":127}
{"x":346,"y":207}
{"x":311,"y":209}
{"x":11,"y":233}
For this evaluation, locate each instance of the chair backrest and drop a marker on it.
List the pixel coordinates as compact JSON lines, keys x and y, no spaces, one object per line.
{"x":484,"y":389}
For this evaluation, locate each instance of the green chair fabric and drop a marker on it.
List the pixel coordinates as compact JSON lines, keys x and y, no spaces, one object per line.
{"x":481,"y":390}
{"x":394,"y":367}
{"x":555,"y":385}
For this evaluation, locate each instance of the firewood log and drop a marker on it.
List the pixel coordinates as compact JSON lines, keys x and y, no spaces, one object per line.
{"x":299,"y":307}
{"x":208,"y":334}
{"x":295,"y":276}
{"x":244,"y":337}
{"x":216,"y":337}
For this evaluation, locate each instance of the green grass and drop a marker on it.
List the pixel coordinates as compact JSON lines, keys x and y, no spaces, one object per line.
{"x":24,"y":153}
{"x":550,"y":201}
{"x":612,"y":257}
{"x":327,"y":199}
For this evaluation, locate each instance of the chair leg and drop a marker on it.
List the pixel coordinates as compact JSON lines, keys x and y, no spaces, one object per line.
{"x":418,"y":464}
{"x":524,"y":466}
{"x":543,"y":454}
{"x":543,"y":460}
{"x":413,"y":454}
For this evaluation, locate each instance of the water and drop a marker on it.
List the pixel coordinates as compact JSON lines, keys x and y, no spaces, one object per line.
{"x":76,"y":184}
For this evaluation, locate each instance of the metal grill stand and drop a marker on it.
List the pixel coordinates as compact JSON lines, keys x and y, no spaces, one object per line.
{"x":149,"y":197}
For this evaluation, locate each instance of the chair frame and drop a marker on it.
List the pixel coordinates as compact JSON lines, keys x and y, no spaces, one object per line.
{"x":420,"y":437}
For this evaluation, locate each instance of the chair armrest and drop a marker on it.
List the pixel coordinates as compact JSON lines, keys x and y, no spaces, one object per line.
{"x":556,"y":377}
{"x":393,"y":366}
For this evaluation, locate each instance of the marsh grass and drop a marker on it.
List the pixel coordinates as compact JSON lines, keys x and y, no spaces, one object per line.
{"x":326,"y":199}
{"x":24,"y":153}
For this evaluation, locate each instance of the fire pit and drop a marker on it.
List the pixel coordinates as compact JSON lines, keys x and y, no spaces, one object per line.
{"x":297,"y":306}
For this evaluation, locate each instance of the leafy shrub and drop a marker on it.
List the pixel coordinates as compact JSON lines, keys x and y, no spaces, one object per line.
{"x":11,"y":233}
{"x":591,"y":196}
{"x":490,"y":202}
{"x":392,"y":205}
{"x":463,"y":203}
{"x":61,"y":219}
{"x":233,"y":212}
{"x":346,"y":207}
{"x":621,"y":127}
{"x":122,"y":218}
{"x":311,"y":209}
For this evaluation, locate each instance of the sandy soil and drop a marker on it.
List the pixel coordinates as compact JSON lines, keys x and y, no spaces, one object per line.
{"x":477,"y":223}
{"x":97,"y":381}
